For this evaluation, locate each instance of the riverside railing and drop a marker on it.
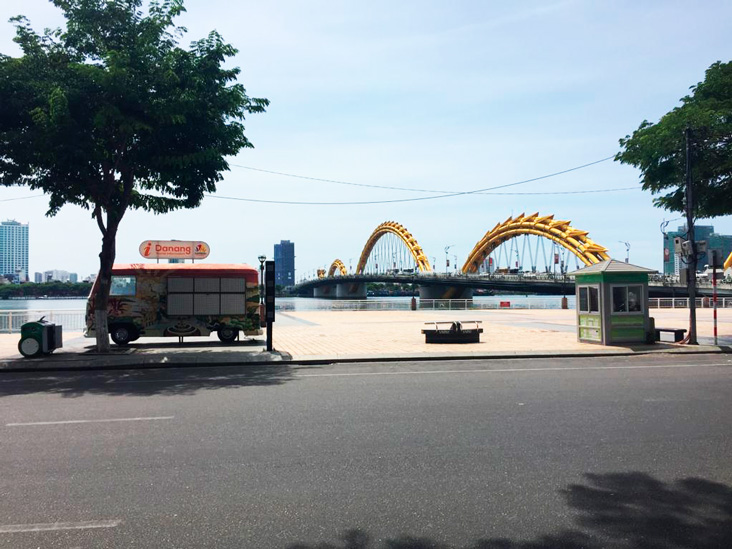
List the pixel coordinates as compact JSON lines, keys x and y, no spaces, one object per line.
{"x":683,"y":302}
{"x":71,"y":319}
{"x":404,"y":304}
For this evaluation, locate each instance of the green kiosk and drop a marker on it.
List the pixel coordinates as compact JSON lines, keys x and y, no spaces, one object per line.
{"x":612,"y":303}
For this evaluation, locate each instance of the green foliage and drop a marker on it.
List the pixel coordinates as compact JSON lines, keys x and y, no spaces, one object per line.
{"x":658,"y":150}
{"x":111,"y":113}
{"x":50,"y":289}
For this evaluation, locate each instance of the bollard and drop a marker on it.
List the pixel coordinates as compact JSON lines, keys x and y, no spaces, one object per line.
{"x":564,"y":303}
{"x":414,"y":303}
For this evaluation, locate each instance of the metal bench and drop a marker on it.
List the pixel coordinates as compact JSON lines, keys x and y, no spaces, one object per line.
{"x":678,"y":333}
{"x":453,"y":332}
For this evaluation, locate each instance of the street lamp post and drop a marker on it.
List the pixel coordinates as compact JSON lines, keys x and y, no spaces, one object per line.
{"x":447,"y":257}
{"x":627,"y":250}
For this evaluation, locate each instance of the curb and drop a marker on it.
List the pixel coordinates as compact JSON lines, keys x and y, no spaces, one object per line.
{"x":285,"y":359}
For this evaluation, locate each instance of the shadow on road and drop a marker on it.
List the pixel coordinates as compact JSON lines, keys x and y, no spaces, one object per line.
{"x":612,"y":511}
{"x":148,"y":382}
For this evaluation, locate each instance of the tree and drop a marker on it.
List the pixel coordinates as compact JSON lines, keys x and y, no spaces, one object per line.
{"x":111,"y":114}
{"x":658,"y":150}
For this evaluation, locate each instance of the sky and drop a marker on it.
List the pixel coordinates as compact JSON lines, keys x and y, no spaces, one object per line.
{"x":434,"y":95}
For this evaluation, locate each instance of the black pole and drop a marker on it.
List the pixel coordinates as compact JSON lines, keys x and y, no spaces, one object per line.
{"x":691,"y":279}
{"x":269,"y":300}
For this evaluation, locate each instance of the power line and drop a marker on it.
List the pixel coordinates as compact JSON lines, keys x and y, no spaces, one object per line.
{"x":450,"y":193}
{"x":21,"y":198}
{"x":617,"y":189}
{"x":367,"y":202}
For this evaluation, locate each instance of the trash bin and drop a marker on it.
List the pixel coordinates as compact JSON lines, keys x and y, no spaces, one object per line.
{"x":39,"y":337}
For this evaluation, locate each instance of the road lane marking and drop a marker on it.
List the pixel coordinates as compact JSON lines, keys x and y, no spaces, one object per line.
{"x":504,"y":370}
{"x":75,"y":421}
{"x":50,"y":526}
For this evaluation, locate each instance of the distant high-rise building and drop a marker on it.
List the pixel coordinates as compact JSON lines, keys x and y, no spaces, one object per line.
{"x":38,"y":278}
{"x":284,"y":256}
{"x":56,"y":276}
{"x":672,"y":262}
{"x":73,"y":277}
{"x":14,"y":249}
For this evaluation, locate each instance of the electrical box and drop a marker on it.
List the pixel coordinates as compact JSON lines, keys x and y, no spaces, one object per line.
{"x":686,"y":248}
{"x":684,"y":276}
{"x":677,"y":244}
{"x":715,"y":259}
{"x":701,"y":246}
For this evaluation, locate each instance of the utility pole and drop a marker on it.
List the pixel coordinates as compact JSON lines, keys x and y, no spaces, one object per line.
{"x":691,"y":279}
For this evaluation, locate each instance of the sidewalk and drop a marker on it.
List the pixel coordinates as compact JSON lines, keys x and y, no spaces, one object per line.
{"x":327,"y":336}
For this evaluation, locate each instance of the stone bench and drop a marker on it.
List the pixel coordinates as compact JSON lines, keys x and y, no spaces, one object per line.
{"x":678,"y":333}
{"x":466,"y":331}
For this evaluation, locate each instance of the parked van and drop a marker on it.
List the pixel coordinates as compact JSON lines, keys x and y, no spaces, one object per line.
{"x":180,"y":300}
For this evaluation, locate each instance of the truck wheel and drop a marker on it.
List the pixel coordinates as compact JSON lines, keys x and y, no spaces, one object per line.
{"x":227,"y":335}
{"x":122,"y":334}
{"x":29,"y":347}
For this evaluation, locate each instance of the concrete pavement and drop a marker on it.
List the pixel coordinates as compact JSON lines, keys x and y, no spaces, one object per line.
{"x":323,"y":336}
{"x":607,"y":452}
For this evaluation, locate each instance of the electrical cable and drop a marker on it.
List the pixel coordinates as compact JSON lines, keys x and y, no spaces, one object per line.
{"x":339,"y":182}
{"x":368,"y":202}
{"x":21,"y":198}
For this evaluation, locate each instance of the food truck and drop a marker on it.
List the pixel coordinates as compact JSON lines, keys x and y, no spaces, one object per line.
{"x":182,"y":300}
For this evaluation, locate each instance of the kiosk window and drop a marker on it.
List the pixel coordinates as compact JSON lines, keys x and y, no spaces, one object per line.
{"x":634,"y":299}
{"x":583,"y":302}
{"x":589,"y":299}
{"x":123,"y":285}
{"x":594,"y":300}
{"x":627,"y":299}
{"x":620,"y":299}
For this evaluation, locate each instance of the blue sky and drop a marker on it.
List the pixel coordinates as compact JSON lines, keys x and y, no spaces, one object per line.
{"x":435,"y":95}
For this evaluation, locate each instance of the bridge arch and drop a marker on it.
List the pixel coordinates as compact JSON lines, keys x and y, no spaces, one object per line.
{"x":337,"y":265}
{"x":574,"y":240}
{"x":420,"y":259}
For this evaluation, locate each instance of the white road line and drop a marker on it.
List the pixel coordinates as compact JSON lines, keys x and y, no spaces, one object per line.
{"x":50,"y":526}
{"x":75,"y":421}
{"x":503,"y":370}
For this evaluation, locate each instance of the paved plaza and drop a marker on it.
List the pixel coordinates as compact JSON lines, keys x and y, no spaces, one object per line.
{"x":364,"y":335}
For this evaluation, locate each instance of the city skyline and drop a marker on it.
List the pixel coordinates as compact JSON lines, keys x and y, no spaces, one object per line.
{"x":427,"y":97}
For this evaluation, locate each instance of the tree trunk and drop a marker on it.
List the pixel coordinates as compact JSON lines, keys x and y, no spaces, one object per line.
{"x":101,"y":299}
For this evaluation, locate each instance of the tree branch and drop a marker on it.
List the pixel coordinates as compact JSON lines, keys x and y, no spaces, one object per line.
{"x":98,"y":216}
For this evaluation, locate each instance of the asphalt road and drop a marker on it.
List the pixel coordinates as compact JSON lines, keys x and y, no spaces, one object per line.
{"x":510,"y":454}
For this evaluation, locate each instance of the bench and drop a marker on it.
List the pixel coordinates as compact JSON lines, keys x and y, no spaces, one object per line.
{"x":466,"y":331}
{"x":678,"y":333}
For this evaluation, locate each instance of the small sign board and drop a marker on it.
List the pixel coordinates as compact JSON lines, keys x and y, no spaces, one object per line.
{"x":174,"y":249}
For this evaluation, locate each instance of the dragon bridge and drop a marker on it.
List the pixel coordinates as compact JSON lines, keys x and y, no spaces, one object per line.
{"x":574,"y":240}
{"x":391,"y":227}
